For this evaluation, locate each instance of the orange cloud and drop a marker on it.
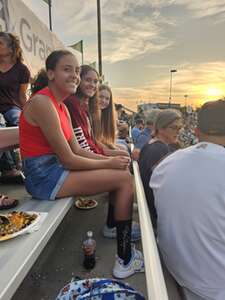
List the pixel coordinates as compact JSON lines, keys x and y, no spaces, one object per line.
{"x":201,"y":82}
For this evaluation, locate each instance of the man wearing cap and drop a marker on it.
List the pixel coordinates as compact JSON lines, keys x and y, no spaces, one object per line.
{"x":189,"y":191}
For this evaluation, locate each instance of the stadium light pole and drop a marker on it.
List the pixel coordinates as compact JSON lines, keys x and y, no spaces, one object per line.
{"x":49,"y":2}
{"x":50,"y":14}
{"x":171,"y":76}
{"x":99,"y":39}
{"x":185,"y":100}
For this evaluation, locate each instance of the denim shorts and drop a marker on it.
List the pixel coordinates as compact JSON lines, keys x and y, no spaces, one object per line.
{"x":12,"y":116}
{"x":44,"y":176}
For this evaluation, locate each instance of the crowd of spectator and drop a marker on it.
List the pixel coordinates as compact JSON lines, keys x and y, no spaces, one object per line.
{"x":65,"y":152}
{"x":181,"y":166}
{"x":71,"y":136}
{"x":189,"y":198}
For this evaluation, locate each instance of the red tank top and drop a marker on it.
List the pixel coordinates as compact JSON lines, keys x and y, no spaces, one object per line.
{"x":32,"y":140}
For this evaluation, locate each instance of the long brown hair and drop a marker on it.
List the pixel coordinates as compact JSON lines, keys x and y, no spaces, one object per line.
{"x":108,"y":125}
{"x":13,"y":43}
{"x":93,"y":105}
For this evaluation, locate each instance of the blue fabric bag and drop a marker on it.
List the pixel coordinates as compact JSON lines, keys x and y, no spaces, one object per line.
{"x":98,"y":289}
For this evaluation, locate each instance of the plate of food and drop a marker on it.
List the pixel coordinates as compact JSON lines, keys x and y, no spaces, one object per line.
{"x":16,"y":223}
{"x":82,"y":203}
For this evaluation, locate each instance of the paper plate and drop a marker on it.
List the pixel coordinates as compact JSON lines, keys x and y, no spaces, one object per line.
{"x":27,"y":229}
{"x":86,"y":203}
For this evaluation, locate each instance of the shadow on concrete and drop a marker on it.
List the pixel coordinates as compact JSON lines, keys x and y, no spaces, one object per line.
{"x":62,"y":257}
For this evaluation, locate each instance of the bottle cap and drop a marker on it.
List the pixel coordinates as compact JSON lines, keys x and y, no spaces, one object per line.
{"x":90,"y":234}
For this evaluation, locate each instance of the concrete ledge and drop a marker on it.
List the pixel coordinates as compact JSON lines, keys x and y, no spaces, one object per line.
{"x":18,"y":255}
{"x":9,"y":137}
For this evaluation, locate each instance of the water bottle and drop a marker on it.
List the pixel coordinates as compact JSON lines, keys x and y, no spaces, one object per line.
{"x":89,"y":247}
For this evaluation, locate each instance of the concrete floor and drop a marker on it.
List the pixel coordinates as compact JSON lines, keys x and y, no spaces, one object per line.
{"x":62,"y":257}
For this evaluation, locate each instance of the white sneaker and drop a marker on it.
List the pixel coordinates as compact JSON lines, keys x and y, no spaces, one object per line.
{"x":111,"y":232}
{"x":135,"y":265}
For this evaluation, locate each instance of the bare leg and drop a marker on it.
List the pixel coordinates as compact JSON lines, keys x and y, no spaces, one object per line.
{"x":92,"y":182}
{"x":120,"y":185}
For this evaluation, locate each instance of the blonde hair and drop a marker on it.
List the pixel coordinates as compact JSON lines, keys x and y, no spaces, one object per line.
{"x":108,"y":124}
{"x":93,"y":105}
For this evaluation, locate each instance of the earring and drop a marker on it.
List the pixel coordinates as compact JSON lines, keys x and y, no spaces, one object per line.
{"x":51,"y":78}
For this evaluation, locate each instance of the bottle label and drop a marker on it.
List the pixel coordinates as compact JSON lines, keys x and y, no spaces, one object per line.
{"x":89,"y":249}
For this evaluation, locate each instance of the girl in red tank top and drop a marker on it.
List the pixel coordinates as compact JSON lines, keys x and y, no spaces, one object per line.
{"x":39,"y":145}
{"x":56,"y":166}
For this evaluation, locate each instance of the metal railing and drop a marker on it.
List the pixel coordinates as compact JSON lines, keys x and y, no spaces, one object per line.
{"x":155,"y":282}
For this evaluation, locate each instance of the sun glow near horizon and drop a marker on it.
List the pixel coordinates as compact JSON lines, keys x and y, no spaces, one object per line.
{"x":213,"y":91}
{"x":197,"y":96}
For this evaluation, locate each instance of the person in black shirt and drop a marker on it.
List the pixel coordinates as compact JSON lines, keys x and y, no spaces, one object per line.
{"x":14,"y":78}
{"x":167,"y":126}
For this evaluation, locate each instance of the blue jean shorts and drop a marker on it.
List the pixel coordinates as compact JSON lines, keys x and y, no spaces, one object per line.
{"x":44,"y":176}
{"x":12,"y":116}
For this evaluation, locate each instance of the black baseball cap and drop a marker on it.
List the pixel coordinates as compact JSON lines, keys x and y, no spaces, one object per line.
{"x":211,"y":118}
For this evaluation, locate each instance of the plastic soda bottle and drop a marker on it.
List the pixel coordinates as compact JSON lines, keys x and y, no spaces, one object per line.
{"x":89,"y":248}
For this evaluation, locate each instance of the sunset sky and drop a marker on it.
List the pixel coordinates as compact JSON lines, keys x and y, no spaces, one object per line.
{"x":142,"y":40}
